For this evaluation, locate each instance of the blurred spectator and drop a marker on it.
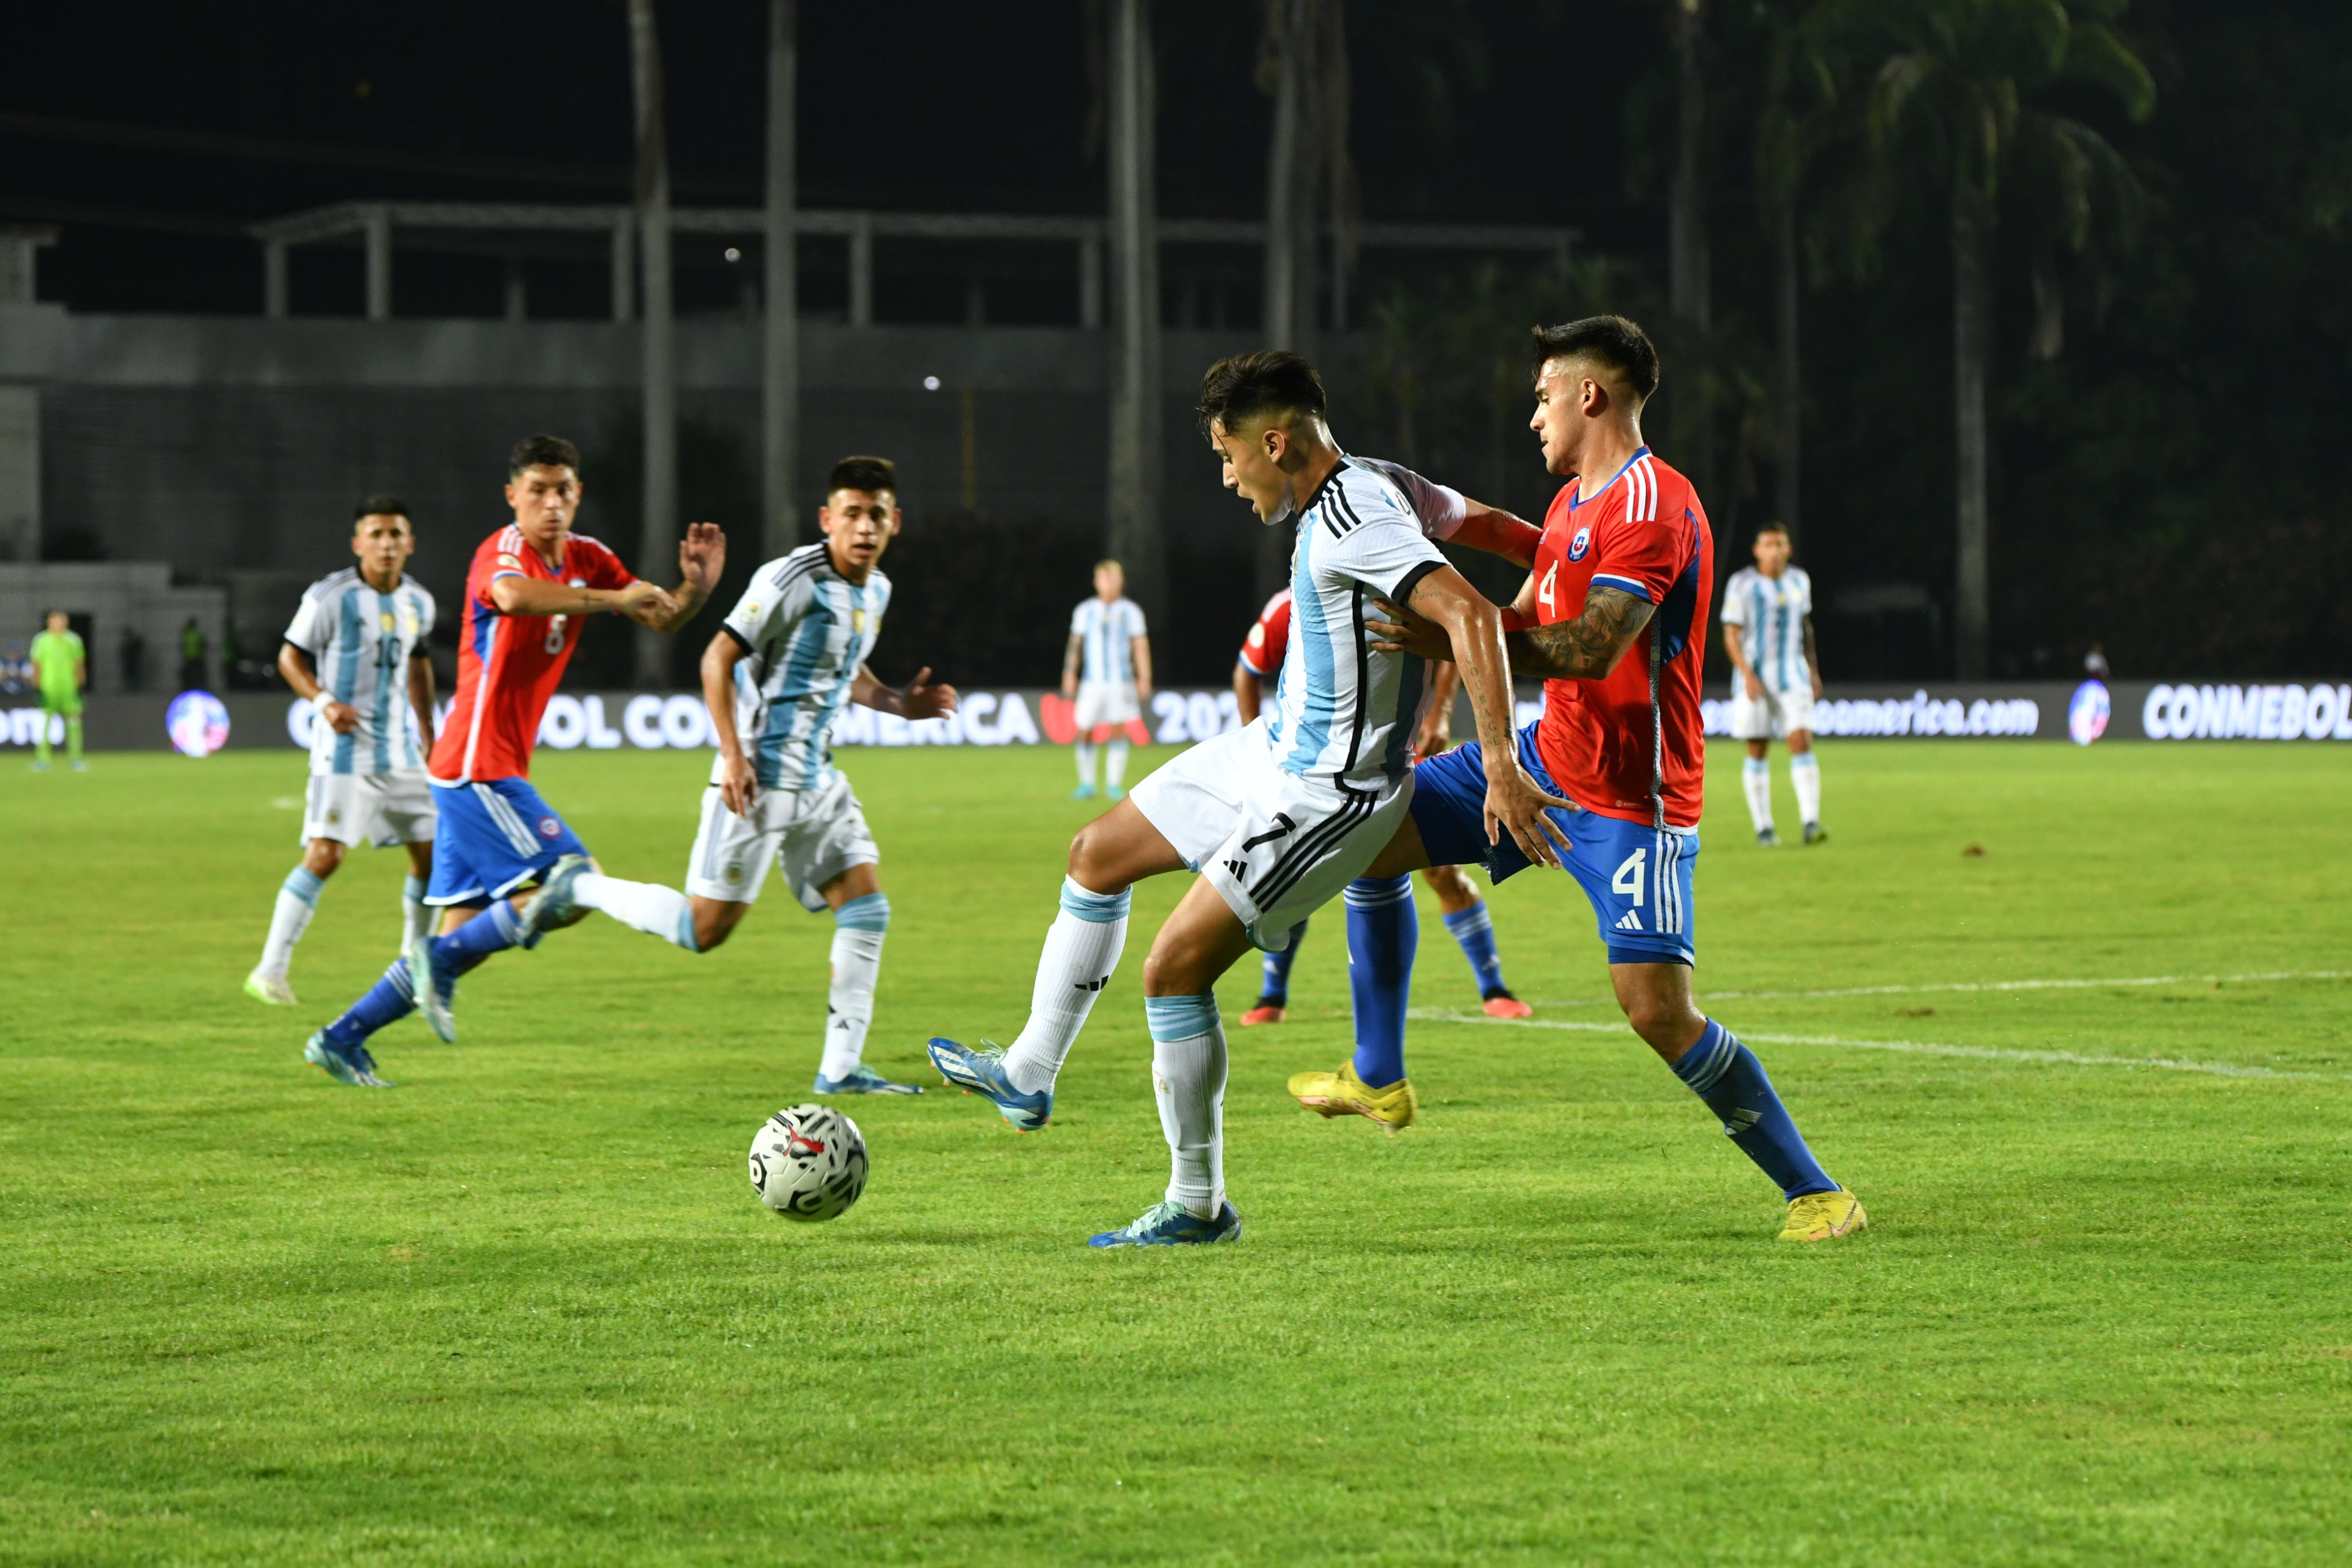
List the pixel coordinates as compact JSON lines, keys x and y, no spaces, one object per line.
{"x":191,"y":656}
{"x":15,"y":671}
{"x":132,"y":652}
{"x":2095,"y":663}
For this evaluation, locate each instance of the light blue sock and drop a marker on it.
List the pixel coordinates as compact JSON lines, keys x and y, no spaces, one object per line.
{"x":1475,"y":930}
{"x":1726,"y":1075}
{"x":304,"y":884}
{"x":413,"y":887}
{"x":1383,"y":933}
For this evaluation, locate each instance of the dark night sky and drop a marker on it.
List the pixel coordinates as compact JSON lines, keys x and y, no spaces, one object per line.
{"x":1462,"y":111}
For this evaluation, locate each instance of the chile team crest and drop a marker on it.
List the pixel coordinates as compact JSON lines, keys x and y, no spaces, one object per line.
{"x":1579,"y":542}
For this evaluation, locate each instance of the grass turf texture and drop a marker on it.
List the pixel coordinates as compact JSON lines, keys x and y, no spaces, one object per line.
{"x":525,"y":1309}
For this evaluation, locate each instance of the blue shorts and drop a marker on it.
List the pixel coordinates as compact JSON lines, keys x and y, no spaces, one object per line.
{"x":493,"y":837}
{"x":1638,"y":877}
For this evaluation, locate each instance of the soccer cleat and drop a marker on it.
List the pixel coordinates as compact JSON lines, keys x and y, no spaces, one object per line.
{"x":1173,"y":1225}
{"x":431,"y":998}
{"x":1768,"y":838}
{"x":1824,"y":1217}
{"x":349,"y":1064}
{"x":1342,"y":1093}
{"x":1266,"y":1011}
{"x":980,"y":1070}
{"x":1816,"y":835}
{"x":1499,"y":1003}
{"x":39,"y":766}
{"x":555,"y":900}
{"x":1083,"y":792}
{"x":272,"y":989}
{"x":862,"y":1079}
{"x":1114,"y":793}
{"x":79,"y":765}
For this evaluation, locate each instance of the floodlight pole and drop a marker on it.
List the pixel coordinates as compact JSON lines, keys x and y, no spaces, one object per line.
{"x":658,"y":540}
{"x":780,"y":406}
{"x":1133,"y":535}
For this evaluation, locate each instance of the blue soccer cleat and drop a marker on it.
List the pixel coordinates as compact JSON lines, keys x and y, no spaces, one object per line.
{"x":1083,"y":792}
{"x":1113,"y":792}
{"x":557,"y":900}
{"x":1173,"y":1225}
{"x":862,"y":1079}
{"x":349,"y":1064}
{"x":980,"y":1070}
{"x":432,"y":992}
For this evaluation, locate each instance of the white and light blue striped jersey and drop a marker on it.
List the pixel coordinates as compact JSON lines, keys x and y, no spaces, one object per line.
{"x":359,"y":643}
{"x":806,"y":631}
{"x":1345,"y":712}
{"x":1106,"y":634}
{"x":1771,"y":614}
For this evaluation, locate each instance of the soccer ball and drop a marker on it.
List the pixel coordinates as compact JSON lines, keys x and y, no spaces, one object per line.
{"x":808,"y":1161}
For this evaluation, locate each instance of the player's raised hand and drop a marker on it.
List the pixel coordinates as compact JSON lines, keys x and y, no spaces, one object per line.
{"x":1515,"y":802}
{"x":738,"y":785}
{"x":702,"y":556}
{"x":1407,"y":632}
{"x":924,"y":701}
{"x":645,"y":601}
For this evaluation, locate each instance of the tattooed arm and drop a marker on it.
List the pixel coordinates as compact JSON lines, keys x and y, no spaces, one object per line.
{"x":1586,"y":648}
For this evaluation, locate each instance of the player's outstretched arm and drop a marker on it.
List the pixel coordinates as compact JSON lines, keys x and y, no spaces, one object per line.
{"x":1474,"y":630}
{"x":701,"y":559}
{"x":737,"y":784}
{"x":1496,"y":532}
{"x":1586,"y":648}
{"x":923,"y":697}
{"x":518,"y":595}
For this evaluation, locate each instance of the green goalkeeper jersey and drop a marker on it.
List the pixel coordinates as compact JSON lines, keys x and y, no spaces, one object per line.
{"x":55,"y":655}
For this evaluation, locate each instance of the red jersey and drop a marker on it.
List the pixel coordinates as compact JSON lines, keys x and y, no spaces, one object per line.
{"x":1646,"y":533}
{"x":1269,"y":639}
{"x":508,"y":666}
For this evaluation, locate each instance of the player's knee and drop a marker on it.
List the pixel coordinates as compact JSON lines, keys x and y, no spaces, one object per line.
{"x":322,"y":857}
{"x":1089,"y":856}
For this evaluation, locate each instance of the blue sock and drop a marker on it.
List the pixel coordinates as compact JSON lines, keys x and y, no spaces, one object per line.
{"x":1726,"y":1076}
{"x":1273,"y":973}
{"x":1383,"y":932}
{"x":389,"y":1000}
{"x":494,"y":930}
{"x":1475,"y":932}
{"x":304,"y":884}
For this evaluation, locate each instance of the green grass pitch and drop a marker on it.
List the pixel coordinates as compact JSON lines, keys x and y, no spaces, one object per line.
{"x":525,"y":1309}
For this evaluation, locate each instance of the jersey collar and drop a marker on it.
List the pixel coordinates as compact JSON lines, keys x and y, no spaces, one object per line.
{"x":1575,"y":501}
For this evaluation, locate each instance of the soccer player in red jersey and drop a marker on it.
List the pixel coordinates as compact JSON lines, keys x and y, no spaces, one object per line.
{"x":1613,"y":617}
{"x":531,"y":585}
{"x":1465,"y":912}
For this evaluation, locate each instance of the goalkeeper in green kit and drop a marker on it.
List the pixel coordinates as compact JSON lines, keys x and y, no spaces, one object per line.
{"x":63,"y":669}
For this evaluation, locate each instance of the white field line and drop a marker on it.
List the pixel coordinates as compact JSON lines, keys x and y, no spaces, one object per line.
{"x":1915,"y":1048}
{"x":2073,"y":985}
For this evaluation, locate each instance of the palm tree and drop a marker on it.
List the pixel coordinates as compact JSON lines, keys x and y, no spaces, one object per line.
{"x":1953,"y":85}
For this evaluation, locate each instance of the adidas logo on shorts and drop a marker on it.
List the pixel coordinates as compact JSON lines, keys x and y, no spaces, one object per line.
{"x":1632,"y":921}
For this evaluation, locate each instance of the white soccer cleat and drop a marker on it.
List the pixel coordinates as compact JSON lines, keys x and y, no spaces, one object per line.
{"x":430,"y":1002}
{"x":269,"y":989}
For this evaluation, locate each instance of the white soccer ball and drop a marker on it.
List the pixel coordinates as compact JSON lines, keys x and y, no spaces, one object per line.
{"x":808,"y":1161}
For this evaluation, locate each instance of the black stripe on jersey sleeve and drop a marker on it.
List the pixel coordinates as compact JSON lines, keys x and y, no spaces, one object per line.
{"x":1409,"y":581}
{"x":741,"y":641}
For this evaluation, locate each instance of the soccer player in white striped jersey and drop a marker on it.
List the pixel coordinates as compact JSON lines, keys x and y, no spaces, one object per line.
{"x":1768,"y":630}
{"x":785,"y":662}
{"x":356,"y":652}
{"x":1106,"y":676}
{"x":1276,"y":816}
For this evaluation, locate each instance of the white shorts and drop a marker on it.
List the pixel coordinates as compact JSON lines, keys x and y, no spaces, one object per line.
{"x":1775,"y":715}
{"x":1105,"y":702}
{"x":815,"y":834}
{"x":1274,"y":845}
{"x":379,"y":809}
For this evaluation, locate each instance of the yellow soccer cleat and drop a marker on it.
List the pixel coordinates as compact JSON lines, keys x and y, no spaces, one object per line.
{"x":1342,"y":1093}
{"x":1824,"y":1217}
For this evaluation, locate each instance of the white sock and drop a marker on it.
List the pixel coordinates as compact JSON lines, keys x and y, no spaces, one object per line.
{"x":1081,"y":954}
{"x":1115,"y":763}
{"x":857,"y":930}
{"x":656,"y":910}
{"x":416,"y":915}
{"x":1086,"y":763}
{"x":1188,"y":1078}
{"x":1756,"y":779}
{"x":298,"y":900}
{"x":1806,"y":775}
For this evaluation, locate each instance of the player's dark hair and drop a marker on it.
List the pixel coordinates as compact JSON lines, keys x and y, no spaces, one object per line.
{"x":871,"y":475}
{"x":1246,"y":387}
{"x":1615,"y":341}
{"x":380,"y":507}
{"x":543,"y":451}
{"x":1775,"y":527}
